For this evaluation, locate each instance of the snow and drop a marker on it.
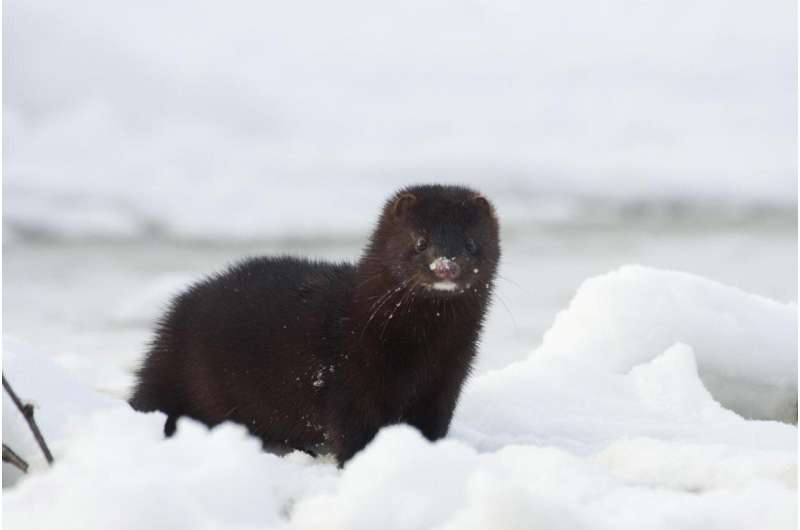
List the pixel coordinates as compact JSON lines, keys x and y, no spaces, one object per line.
{"x":609,"y":424}
{"x":132,"y":479}
{"x":746,"y":345}
{"x":149,"y":143}
{"x":222,"y":122}
{"x":57,"y":399}
{"x":449,"y":485}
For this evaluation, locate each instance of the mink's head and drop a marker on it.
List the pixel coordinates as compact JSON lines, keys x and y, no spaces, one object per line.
{"x":440,"y":240}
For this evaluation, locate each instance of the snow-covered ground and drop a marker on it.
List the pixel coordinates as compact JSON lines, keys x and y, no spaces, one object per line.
{"x":613,"y":422}
{"x":92,"y":304}
{"x":147,"y":143}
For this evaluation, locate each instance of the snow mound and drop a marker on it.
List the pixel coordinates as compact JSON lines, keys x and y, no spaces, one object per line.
{"x":584,"y":410}
{"x":221,"y":479}
{"x":570,"y":438}
{"x":57,"y":399}
{"x":402,"y":481}
{"x":696,"y":467}
{"x":118,"y":472}
{"x":746,"y":345}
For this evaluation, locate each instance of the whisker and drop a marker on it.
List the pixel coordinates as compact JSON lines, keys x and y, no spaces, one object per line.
{"x":417,"y":280}
{"x":385,"y":298}
{"x":381,"y":298}
{"x":414,"y":291}
{"x":512,"y":282}
{"x":513,"y":320}
{"x":388,"y":292}
{"x":369,"y":279}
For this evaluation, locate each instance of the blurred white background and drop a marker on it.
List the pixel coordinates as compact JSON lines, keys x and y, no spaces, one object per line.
{"x":149,"y":142}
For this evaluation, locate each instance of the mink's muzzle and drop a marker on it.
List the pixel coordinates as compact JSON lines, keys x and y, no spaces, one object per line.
{"x":445,"y":269}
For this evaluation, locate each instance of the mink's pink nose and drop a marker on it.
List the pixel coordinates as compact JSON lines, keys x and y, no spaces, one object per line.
{"x":446,"y":269}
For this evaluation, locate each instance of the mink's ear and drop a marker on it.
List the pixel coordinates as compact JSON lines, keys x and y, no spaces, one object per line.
{"x":483,"y":203}
{"x":402,"y":204}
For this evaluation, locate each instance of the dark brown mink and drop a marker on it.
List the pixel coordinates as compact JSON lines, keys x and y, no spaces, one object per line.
{"x":319,"y":356}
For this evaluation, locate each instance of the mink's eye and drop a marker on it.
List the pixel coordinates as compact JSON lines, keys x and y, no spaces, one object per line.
{"x":421,"y":244}
{"x":471,"y":246}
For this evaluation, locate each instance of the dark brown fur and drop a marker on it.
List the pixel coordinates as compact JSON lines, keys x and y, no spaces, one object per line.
{"x":319,"y":356}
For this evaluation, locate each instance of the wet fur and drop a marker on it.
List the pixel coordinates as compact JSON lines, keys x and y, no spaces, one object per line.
{"x":318,"y":356}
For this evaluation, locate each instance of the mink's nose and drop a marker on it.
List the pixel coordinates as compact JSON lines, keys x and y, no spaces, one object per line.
{"x":445,"y":269}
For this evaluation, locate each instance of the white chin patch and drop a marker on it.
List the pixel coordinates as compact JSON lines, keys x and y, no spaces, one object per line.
{"x":445,"y":286}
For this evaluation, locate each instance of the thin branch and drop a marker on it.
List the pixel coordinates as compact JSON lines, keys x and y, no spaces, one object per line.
{"x":14,"y":459}
{"x":27,"y":412}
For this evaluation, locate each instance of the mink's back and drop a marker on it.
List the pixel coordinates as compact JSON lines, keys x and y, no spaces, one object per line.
{"x":241,"y":344}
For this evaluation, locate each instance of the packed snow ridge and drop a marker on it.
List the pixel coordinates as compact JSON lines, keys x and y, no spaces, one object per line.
{"x":745,"y":345}
{"x":651,"y":403}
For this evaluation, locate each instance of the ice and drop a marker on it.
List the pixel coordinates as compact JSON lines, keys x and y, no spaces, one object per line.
{"x":607,"y":425}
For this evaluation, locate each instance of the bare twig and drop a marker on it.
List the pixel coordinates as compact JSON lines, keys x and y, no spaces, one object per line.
{"x":27,"y":411}
{"x":14,"y":459}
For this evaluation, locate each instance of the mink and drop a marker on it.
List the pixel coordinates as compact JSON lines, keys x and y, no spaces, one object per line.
{"x":318,"y":356}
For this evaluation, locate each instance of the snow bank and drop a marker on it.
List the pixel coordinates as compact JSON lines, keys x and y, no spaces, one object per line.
{"x":221,"y":479}
{"x":746,"y":345}
{"x":118,"y":472}
{"x":401,"y":481}
{"x":550,"y":440}
{"x":58,"y":399}
{"x":585,"y":410}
